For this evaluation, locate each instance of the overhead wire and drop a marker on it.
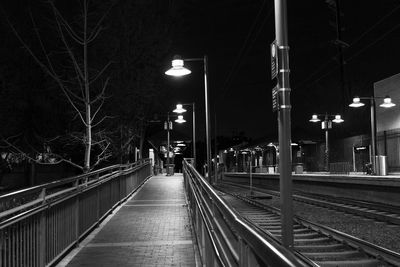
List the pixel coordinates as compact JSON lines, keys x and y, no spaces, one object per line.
{"x":241,"y":53}
{"x":326,"y":63}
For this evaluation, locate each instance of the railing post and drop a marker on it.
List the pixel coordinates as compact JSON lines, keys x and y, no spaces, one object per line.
{"x":42,"y":231}
{"x":98,"y":204}
{"x":246,"y":256}
{"x":42,"y":239}
{"x":42,"y":195}
{"x":77,"y":213}
{"x":2,"y":260}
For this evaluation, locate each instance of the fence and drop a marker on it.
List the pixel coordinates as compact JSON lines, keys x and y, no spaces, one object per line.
{"x":224,"y":238}
{"x":340,"y":167}
{"x":39,"y":225}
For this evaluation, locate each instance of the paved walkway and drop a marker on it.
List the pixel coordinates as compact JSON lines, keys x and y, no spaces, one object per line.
{"x":151,"y":229}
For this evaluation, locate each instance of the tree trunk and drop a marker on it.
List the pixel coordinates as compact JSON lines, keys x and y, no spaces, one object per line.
{"x":88,"y":141}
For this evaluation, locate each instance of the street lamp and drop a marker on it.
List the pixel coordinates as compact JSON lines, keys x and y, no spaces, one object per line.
{"x":179,"y":109}
{"x":326,"y":124}
{"x":387,"y":103}
{"x":177,"y":70}
{"x":180,"y":119}
{"x":168,"y":127}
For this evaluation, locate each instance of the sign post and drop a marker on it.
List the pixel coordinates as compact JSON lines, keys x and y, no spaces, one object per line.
{"x":284,"y":107}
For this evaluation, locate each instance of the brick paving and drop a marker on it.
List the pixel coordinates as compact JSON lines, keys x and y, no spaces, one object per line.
{"x":151,"y":229}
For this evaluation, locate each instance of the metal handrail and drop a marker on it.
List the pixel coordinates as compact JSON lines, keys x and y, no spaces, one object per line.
{"x":41,"y":230}
{"x":71,"y":179}
{"x":18,"y":200}
{"x":234,"y":241}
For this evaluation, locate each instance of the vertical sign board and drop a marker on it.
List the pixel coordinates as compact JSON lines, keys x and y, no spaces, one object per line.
{"x":274,"y":60}
{"x":275,"y":101}
{"x":274,"y":74}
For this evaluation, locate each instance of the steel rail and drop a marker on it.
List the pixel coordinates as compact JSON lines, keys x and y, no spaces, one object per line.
{"x":375,"y":211}
{"x":378,"y":252}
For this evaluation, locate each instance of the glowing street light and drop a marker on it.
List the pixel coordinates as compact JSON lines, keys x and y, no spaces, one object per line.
{"x":178,"y":70}
{"x":179,"y":109}
{"x":314,"y":118}
{"x":180,"y":119}
{"x":338,"y":119}
{"x":326,"y":124}
{"x":387,"y":103}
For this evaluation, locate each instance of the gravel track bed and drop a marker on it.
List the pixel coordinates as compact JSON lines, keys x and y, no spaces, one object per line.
{"x":379,"y":233}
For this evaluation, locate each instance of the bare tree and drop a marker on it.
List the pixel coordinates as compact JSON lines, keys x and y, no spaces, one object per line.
{"x":140,"y":38}
{"x":82,"y":85}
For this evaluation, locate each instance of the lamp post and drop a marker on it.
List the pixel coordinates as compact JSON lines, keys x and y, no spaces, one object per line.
{"x":326,"y":125}
{"x":179,"y":109}
{"x":168,"y":126}
{"x":387,"y":103}
{"x":179,"y":70}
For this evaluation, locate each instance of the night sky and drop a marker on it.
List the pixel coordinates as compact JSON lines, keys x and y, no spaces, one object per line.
{"x":236,"y":36}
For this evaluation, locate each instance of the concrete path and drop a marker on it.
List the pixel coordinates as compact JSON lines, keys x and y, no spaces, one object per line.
{"x":151,"y":229}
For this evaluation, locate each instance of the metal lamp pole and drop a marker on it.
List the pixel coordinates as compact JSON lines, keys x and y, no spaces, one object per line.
{"x":387,"y":103}
{"x":180,"y":110}
{"x":207,"y":108}
{"x":168,"y":126}
{"x":208,"y":133}
{"x":194,"y":135}
{"x":178,"y":70}
{"x":373,"y":134}
{"x":327,"y":126}
{"x":285,"y":164}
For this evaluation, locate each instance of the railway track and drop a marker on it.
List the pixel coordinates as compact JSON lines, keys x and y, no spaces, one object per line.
{"x":322,"y":245}
{"x":374,"y":211}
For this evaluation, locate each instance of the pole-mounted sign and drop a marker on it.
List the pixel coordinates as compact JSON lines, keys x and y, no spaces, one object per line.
{"x":275,"y":99}
{"x":274,"y":60}
{"x":274,"y":74}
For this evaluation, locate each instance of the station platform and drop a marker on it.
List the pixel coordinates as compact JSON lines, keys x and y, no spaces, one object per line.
{"x":152,"y":228}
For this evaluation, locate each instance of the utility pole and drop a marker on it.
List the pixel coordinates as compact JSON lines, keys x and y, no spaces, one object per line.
{"x":284,"y":107}
{"x":334,"y":6}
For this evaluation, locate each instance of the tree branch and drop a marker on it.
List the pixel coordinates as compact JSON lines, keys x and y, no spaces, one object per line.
{"x":101,"y":72}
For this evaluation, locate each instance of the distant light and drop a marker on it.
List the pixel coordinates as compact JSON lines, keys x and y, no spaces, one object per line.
{"x":177,"y":68}
{"x":294,"y":144}
{"x":225,"y":151}
{"x":356,"y":103}
{"x":180,"y":119}
{"x":179,"y":109}
{"x":231,"y":149}
{"x":387,"y":103}
{"x":181,"y":144}
{"x":338,"y":119}
{"x":361,"y":148}
{"x":314,"y":118}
